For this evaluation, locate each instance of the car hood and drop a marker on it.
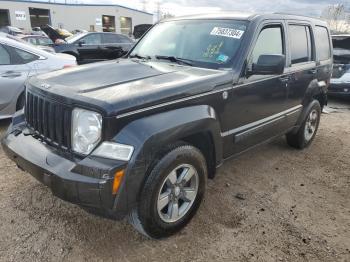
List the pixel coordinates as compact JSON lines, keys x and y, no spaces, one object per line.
{"x":51,"y":33}
{"x":124,"y":85}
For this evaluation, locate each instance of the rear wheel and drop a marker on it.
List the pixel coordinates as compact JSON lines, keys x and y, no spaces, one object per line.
{"x":308,"y":129}
{"x":172,"y":193}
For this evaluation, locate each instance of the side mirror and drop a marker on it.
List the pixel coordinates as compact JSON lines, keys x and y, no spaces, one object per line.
{"x":81,"y":43}
{"x":269,"y":65}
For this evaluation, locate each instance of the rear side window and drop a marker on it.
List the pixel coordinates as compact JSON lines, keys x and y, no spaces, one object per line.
{"x":32,"y":41}
{"x":25,"y":56}
{"x":4,"y":56}
{"x":300,"y":42}
{"x":113,"y":38}
{"x":110,"y":39}
{"x":269,"y":42}
{"x":19,"y":56}
{"x":44,"y":41}
{"x":322,"y":43}
{"x":124,"y":39}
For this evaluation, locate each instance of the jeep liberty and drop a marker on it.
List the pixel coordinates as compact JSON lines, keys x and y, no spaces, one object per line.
{"x":138,"y":137}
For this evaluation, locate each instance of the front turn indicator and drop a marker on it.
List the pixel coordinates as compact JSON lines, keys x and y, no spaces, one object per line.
{"x":117,"y":181}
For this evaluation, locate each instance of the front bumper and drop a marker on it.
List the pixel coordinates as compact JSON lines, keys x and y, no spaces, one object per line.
{"x":339,"y":89}
{"x":86,"y":182}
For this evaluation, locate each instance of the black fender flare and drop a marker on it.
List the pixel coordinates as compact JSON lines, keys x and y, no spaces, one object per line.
{"x":315,"y":89}
{"x":150,"y":134}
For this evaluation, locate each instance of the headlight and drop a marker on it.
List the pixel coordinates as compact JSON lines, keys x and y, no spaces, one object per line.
{"x":114,"y":151}
{"x":86,"y":130}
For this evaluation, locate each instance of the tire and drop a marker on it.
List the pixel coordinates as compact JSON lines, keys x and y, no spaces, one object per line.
{"x":20,"y":102}
{"x":157,"y":216}
{"x":308,"y":129}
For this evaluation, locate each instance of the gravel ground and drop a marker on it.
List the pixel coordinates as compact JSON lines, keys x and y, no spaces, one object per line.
{"x":271,"y":204}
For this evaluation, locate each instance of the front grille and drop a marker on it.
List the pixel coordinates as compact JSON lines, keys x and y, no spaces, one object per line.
{"x":50,"y":120}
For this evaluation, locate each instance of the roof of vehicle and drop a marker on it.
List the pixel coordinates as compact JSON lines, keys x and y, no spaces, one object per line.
{"x":249,"y":16}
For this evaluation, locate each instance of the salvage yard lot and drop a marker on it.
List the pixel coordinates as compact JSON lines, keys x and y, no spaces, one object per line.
{"x":271,"y":204}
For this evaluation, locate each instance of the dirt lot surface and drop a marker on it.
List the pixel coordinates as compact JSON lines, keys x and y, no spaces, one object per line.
{"x":271,"y":204}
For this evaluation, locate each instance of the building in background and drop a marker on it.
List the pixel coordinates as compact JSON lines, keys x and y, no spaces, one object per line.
{"x":106,"y":18}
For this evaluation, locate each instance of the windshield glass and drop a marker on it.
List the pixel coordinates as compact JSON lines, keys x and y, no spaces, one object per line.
{"x":206,"y":43}
{"x":341,"y":52}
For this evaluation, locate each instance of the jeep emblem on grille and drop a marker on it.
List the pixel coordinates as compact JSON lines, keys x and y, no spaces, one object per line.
{"x":46,"y":86}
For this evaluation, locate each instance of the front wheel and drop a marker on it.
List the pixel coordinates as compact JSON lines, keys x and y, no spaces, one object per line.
{"x":172,"y":193}
{"x":307,"y":131}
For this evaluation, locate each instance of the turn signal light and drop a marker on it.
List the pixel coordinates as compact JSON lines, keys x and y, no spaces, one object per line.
{"x":68,"y":66}
{"x":117,"y":181}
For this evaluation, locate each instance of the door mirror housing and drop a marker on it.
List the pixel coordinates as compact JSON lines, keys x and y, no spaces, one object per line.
{"x":81,"y":43}
{"x":269,"y":65}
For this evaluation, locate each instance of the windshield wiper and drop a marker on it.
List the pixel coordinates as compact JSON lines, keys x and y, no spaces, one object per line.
{"x":140,"y":56}
{"x":175,"y":59}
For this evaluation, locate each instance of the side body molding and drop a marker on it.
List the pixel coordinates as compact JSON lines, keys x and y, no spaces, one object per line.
{"x":151,"y":133}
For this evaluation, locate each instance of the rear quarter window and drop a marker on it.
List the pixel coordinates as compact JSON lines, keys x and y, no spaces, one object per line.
{"x":323,"y":46}
{"x":26,"y":56}
{"x":19,"y":56}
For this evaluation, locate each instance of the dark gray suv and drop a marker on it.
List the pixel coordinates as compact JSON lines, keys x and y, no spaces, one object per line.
{"x":139,"y":137}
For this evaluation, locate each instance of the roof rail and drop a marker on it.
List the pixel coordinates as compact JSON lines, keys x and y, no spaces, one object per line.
{"x":286,"y":13}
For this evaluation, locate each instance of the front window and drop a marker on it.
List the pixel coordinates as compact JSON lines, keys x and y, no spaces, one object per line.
{"x":204,"y":43}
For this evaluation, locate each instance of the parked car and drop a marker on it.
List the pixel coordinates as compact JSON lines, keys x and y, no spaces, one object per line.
{"x":38,"y":40}
{"x":22,"y":38}
{"x":11,"y":30}
{"x":94,"y":47}
{"x":18,"y":62}
{"x":340,"y":81}
{"x":139,"y":137}
{"x":38,"y":31}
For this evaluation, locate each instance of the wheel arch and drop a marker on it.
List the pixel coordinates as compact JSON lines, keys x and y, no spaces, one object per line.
{"x":153,"y":136}
{"x":317,"y":90}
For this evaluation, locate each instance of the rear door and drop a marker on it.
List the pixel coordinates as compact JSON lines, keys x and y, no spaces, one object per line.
{"x":302,"y":66}
{"x":89,"y":48}
{"x":114,"y":45}
{"x":13,"y":73}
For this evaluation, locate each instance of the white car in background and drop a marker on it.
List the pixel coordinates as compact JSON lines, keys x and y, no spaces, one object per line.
{"x":18,"y":61}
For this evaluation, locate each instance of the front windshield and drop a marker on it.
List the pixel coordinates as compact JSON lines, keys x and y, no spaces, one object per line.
{"x":206,"y":43}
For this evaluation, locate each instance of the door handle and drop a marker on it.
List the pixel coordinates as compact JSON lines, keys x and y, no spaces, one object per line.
{"x":11,"y":74}
{"x":313,"y":71}
{"x":284,"y":79}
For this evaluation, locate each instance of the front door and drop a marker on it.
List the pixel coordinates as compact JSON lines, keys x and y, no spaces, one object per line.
{"x":257,"y":103}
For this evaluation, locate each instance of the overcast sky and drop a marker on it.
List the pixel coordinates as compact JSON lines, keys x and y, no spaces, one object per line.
{"x":183,"y":7}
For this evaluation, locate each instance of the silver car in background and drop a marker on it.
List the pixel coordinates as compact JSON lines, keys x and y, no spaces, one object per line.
{"x":18,"y":61}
